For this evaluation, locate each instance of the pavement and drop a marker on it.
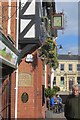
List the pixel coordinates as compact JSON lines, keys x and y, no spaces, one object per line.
{"x":55,"y":116}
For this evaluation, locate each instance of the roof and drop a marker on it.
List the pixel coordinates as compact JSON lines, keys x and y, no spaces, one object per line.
{"x":68,"y":57}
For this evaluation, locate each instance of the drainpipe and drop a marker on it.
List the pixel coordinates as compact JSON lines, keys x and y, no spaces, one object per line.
{"x":45,"y":75}
{"x":52,"y":77}
{"x":16,"y":89}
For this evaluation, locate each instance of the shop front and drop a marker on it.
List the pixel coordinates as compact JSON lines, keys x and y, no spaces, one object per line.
{"x":8,"y":64}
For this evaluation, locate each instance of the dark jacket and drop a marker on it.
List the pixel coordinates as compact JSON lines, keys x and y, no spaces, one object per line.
{"x":72,"y":107}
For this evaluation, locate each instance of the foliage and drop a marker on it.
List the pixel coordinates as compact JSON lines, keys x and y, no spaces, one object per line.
{"x":56,"y":88}
{"x":49,"y":51}
{"x":50,"y":92}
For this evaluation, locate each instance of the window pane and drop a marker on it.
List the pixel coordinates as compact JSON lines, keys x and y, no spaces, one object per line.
{"x":78,"y":67}
{"x":62,"y":67}
{"x":62,"y":81}
{"x":70,"y":67}
{"x":78,"y":80}
{"x":54,"y":81}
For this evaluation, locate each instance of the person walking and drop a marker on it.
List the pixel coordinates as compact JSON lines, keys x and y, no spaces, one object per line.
{"x":72,"y":104}
{"x":59,"y":102}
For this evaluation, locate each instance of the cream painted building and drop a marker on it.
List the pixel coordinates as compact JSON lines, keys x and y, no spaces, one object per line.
{"x":68,"y":72}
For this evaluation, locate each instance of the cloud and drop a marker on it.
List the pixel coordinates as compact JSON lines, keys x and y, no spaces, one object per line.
{"x":67,"y":1}
{"x":74,"y":50}
{"x":70,"y":37}
{"x":70,"y":10}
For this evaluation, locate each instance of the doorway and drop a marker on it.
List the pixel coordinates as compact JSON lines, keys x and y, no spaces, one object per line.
{"x":70,"y":84}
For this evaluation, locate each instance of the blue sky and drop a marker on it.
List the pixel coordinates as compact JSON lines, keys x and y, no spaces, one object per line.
{"x":68,"y":38}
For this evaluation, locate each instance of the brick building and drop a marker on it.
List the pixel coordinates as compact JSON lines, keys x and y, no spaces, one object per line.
{"x":31,"y":76}
{"x":22,"y":89}
{"x":22,"y":83}
{"x":8,"y":59}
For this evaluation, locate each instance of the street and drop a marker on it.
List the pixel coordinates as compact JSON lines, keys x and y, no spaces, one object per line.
{"x":55,"y":116}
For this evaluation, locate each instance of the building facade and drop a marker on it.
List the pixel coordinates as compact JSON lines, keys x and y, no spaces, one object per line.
{"x":68,"y":72}
{"x":8,"y":59}
{"x":34,"y":18}
{"x":22,"y":83}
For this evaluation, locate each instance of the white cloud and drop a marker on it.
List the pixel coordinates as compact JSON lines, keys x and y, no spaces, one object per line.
{"x":70,"y":10}
{"x":70,"y":37}
{"x":74,"y":49}
{"x":67,"y":1}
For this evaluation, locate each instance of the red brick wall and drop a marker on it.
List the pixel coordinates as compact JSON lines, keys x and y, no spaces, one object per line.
{"x":4,"y":16}
{"x":7,"y":94}
{"x":13,"y":90}
{"x":33,"y":108}
{"x":13,"y":34}
{"x":4,"y":98}
{"x":13,"y":20}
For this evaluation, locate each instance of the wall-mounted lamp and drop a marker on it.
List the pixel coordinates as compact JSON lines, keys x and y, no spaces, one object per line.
{"x":29,"y":58}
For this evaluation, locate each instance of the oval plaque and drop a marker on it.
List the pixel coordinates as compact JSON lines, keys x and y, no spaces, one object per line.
{"x":24,"y":97}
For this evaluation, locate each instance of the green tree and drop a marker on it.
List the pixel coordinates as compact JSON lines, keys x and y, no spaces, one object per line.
{"x":56,"y":88}
{"x":50,"y":92}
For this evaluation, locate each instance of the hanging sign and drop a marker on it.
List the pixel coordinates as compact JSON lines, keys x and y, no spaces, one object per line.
{"x":58,"y":21}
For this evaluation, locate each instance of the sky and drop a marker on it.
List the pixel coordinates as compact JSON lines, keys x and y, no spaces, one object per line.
{"x":68,"y":37}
